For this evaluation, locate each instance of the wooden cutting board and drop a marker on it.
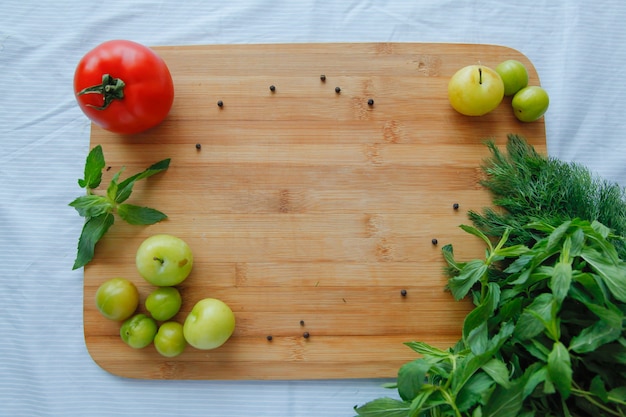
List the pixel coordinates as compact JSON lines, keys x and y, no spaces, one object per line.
{"x":304,"y":204}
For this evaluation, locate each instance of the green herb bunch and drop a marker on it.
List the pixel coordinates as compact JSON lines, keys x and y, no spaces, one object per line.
{"x":98,"y":210}
{"x":546,"y":336}
{"x":527,"y":186}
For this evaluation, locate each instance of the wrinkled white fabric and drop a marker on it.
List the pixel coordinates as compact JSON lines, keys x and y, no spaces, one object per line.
{"x":577,"y":48}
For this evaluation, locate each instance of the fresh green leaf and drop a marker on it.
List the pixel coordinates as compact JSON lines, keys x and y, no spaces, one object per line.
{"x":534,"y":375}
{"x":91,"y":205}
{"x":471,"y":273}
{"x":534,"y":317}
{"x":448,"y":255}
{"x":590,"y":338}
{"x":505,"y":402}
{"x":126,"y":187}
{"x":113,"y":186}
{"x":612,"y":316}
{"x":613,"y":275}
{"x":93,"y":229}
{"x":93,"y":169}
{"x":618,"y":394}
{"x":428,"y":350}
{"x":476,"y":232}
{"x":424,"y":400}
{"x":554,"y":239}
{"x":598,"y":389}
{"x":478,"y":338}
{"x":511,"y":251}
{"x":139,"y":215}
{"x":479,"y":316}
{"x":384,"y":407}
{"x":560,"y":369}
{"x":411,"y":377}
{"x":561,"y":281}
{"x":498,"y":371}
{"x":474,"y":391}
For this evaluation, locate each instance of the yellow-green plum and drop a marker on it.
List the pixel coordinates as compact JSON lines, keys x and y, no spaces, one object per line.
{"x":530,"y":103}
{"x":138,"y":331}
{"x":164,"y":260}
{"x":209,"y":324}
{"x":475,"y":90}
{"x":169,"y":340}
{"x":164,"y":303}
{"x":514,"y":76}
{"x":117,"y":299}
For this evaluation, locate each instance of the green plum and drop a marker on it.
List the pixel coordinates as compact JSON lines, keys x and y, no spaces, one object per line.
{"x":117,"y":299}
{"x":514,"y":76}
{"x":209,"y":324}
{"x":164,"y":260}
{"x":530,"y":103}
{"x":164,"y":303}
{"x":138,"y":331}
{"x":169,"y":340}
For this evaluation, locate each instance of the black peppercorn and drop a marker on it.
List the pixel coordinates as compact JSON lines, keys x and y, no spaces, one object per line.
{"x":301,"y":322}
{"x":370,"y":102}
{"x":220,"y":103}
{"x":305,"y":335}
{"x":403,"y":293}
{"x":337,"y":90}
{"x":272,"y":88}
{"x":455,"y":206}
{"x":269,"y":337}
{"x":434,"y":241}
{"x":323,"y":77}
{"x":198,"y":146}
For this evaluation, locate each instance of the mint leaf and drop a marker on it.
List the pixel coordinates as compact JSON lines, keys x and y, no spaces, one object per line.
{"x":139,"y":215}
{"x":560,"y":369}
{"x":93,"y":230}
{"x":471,"y":273}
{"x":505,"y":402}
{"x":93,"y":169}
{"x":613,"y":275}
{"x":99,"y":210}
{"x":91,"y":205}
{"x":383,"y":407}
{"x":590,"y":338}
{"x":125,"y":188}
{"x":411,"y":377}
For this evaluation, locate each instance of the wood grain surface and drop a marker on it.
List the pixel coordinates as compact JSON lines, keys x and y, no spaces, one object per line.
{"x":304,"y":204}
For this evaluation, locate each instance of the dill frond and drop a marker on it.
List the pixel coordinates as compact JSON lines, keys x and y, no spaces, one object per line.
{"x":527,"y":186}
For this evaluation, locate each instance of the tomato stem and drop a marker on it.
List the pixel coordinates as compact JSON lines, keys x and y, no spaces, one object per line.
{"x":111,"y":89}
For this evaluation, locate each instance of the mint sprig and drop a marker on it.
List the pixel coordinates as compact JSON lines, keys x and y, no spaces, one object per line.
{"x":99,"y":210}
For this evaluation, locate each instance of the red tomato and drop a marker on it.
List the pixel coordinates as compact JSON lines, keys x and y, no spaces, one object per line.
{"x":123,"y":87}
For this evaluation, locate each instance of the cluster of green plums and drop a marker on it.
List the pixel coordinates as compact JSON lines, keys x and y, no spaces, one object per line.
{"x":164,"y":261}
{"x":476,"y":90}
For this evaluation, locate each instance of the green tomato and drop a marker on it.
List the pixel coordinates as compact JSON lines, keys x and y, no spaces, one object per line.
{"x":530,"y":103}
{"x":164,"y":303}
{"x":514,"y":76}
{"x":475,"y":90}
{"x":117,"y":299}
{"x":209,"y":324}
{"x":138,"y":331}
{"x":169,"y":340}
{"x":164,"y":260}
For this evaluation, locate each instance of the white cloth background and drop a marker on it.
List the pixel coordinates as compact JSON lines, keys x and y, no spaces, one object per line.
{"x":577,"y":47}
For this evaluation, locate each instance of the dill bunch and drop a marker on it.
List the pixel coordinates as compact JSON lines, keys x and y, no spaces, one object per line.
{"x":528,"y":187}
